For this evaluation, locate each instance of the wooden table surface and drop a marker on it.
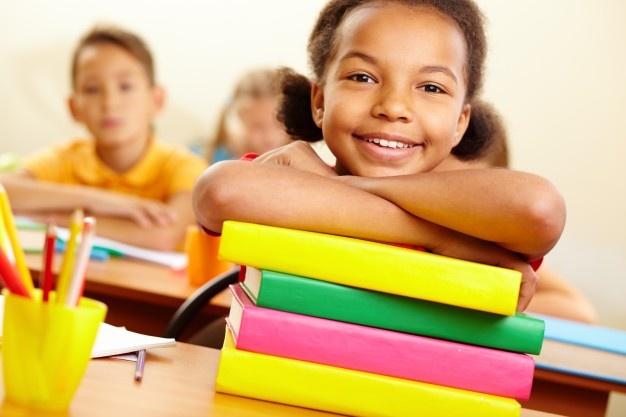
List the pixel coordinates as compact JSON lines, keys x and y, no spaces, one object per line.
{"x":178,"y":381}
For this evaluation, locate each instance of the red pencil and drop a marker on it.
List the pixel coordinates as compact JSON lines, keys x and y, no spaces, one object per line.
{"x":10,"y":278}
{"x":48,"y":255}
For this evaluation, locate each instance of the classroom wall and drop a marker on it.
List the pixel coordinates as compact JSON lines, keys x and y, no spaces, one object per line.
{"x":556,"y":70}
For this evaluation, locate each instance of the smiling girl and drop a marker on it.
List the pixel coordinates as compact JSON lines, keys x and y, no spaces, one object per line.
{"x":391,"y":96}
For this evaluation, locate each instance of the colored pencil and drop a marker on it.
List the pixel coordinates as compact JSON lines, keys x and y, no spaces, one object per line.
{"x":82,"y":259}
{"x":67,"y":266}
{"x":48,"y":257}
{"x":10,"y":277}
{"x":9,"y":224}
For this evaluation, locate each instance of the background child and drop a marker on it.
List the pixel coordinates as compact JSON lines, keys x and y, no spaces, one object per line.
{"x":138,"y":187}
{"x":248,"y":121}
{"x":554,"y":295}
{"x":393,"y":83}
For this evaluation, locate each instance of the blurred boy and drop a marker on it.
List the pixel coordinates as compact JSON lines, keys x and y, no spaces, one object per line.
{"x":138,"y":188}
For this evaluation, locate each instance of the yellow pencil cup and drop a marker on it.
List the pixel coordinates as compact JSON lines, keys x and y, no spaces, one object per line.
{"x":46,"y":348}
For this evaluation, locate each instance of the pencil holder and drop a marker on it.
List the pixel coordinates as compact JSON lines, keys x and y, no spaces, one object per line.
{"x":46,"y":348}
{"x":202,"y":262}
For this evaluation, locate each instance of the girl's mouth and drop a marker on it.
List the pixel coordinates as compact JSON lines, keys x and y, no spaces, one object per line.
{"x":386,"y":143}
{"x":388,"y":148}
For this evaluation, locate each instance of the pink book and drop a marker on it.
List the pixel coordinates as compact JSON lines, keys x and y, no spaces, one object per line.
{"x":378,"y":351}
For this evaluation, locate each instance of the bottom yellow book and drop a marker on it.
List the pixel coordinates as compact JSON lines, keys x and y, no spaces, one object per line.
{"x":345,"y":391}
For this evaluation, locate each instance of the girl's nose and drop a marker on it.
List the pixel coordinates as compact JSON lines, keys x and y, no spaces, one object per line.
{"x":392,"y":104}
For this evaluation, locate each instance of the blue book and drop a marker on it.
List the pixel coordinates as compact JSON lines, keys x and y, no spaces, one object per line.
{"x":587,"y":335}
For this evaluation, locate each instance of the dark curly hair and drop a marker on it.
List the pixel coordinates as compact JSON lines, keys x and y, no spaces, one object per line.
{"x":486,"y":137}
{"x":295,"y":110}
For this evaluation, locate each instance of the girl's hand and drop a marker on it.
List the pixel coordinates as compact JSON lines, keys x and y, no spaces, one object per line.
{"x":299,"y":155}
{"x":472,"y":249}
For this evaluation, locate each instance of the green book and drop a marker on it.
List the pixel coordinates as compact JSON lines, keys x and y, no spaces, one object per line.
{"x":296,"y":294}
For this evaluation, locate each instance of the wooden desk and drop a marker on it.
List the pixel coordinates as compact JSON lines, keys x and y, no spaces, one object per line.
{"x":178,"y":381}
{"x":143,"y":297}
{"x":140,"y":295}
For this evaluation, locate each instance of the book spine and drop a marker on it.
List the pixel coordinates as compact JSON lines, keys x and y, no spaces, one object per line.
{"x":317,"y":298}
{"x":347,"y":391}
{"x":373,"y":266}
{"x":382,"y":352}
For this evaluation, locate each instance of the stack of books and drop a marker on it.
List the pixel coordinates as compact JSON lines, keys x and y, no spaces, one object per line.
{"x":363,"y":328}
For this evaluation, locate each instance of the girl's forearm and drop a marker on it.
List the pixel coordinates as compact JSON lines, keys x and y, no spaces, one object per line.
{"x":283,"y":196}
{"x":521,"y":212}
{"x":287,"y":197}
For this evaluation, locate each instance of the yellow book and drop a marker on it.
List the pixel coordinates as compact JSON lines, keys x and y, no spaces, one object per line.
{"x":373,"y":266}
{"x":346,"y":391}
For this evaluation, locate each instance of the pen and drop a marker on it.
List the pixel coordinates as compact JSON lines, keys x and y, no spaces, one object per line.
{"x":141,"y":363}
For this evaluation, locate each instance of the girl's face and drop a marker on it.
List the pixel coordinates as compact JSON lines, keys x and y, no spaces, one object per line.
{"x":255,"y":127}
{"x":392,"y":98}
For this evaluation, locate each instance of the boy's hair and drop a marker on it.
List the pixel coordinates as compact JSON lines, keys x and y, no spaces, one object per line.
{"x":295,"y":110}
{"x":486,"y":137}
{"x":119,"y":37}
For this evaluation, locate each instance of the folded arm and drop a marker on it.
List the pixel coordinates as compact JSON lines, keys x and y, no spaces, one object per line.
{"x":520,"y":212}
{"x":283,"y":196}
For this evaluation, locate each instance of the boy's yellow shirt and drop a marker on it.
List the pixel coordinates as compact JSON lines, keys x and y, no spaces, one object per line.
{"x":163,"y":171}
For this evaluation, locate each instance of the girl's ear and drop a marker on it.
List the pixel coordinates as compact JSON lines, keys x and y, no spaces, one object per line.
{"x":317,"y":103}
{"x":462,"y":123}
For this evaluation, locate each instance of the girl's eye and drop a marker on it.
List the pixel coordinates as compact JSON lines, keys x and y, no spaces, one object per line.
{"x":361,"y":78}
{"x":433,"y":89}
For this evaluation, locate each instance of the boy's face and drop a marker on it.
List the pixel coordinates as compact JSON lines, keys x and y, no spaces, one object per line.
{"x":392,"y":102}
{"x":113,"y":97}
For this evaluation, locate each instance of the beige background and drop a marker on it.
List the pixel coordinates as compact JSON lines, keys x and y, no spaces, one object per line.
{"x":556,"y":70}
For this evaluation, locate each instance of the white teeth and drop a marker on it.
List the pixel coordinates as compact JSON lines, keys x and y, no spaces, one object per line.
{"x":388,"y":143}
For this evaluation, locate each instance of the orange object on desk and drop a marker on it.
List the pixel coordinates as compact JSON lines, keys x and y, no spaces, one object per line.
{"x":201,"y":249}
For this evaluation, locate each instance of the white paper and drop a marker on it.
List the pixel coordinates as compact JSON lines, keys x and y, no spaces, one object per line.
{"x":175,"y":260}
{"x":113,"y":340}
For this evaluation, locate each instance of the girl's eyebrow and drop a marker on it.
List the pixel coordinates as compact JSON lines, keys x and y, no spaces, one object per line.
{"x":427,"y":69}
{"x":439,"y":68}
{"x":360,"y":55}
